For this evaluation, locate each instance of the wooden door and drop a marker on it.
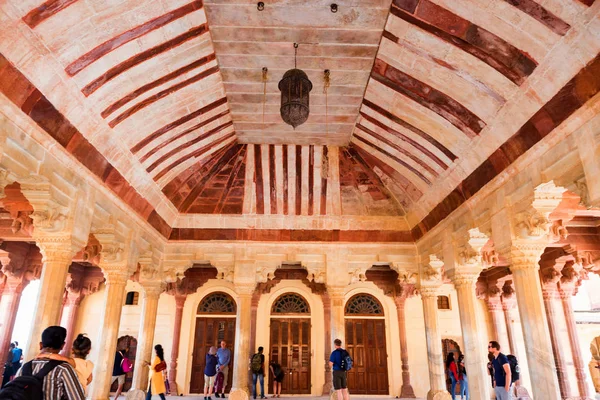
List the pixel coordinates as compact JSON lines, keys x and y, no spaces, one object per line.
{"x":290,"y":347}
{"x":365,"y":341}
{"x":210,"y":332}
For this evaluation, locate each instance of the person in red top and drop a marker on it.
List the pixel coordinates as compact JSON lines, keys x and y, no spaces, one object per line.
{"x":452,"y":369}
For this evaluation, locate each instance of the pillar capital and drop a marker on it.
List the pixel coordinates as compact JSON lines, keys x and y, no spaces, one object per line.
{"x":429,"y":291}
{"x":336,"y":292}
{"x":152,"y":289}
{"x":57,"y":248}
{"x":245,"y":290}
{"x":465,"y":278}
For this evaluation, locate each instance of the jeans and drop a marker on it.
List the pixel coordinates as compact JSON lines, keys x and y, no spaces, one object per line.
{"x":261,"y":378}
{"x":464,"y":388}
{"x":502,"y":394}
{"x":454,"y":382}
{"x":149,"y":394}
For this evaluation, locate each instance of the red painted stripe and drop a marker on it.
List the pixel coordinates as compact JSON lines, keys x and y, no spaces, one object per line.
{"x":539,"y":13}
{"x":258,"y":178}
{"x":393,"y":157}
{"x":182,"y":134}
{"x":141,"y":57}
{"x":410,"y":127}
{"x":273,"y":185}
{"x":187,"y":144}
{"x":138,"y":92}
{"x":397,"y":148}
{"x":204,"y":178}
{"x":158,"y":133}
{"x":101,"y":50}
{"x":438,"y":102}
{"x":311,"y":178}
{"x":405,"y":139}
{"x":45,"y":11}
{"x":298,"y":180}
{"x":235,"y":171}
{"x":489,"y":48}
{"x":164,"y":93}
{"x":587,"y":2}
{"x":324,"y":175}
{"x":285,"y":179}
{"x":195,"y":154}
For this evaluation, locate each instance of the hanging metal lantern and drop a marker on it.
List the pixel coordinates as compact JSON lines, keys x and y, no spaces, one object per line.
{"x":295,"y":88}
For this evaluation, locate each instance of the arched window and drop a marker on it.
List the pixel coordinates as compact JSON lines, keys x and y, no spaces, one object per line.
{"x":443,"y":303}
{"x":132,"y":299}
{"x":290,"y":303}
{"x":217,"y":303}
{"x":364,"y":304}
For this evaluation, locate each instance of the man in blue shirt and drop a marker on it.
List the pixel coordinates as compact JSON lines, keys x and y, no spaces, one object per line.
{"x":17,"y":355}
{"x":502,"y":374}
{"x":224,"y":356}
{"x":340,"y":379}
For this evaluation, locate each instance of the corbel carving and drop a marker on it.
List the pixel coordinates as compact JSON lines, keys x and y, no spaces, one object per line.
{"x":432,"y":272}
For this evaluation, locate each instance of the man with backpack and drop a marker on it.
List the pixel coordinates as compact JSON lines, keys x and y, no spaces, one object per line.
{"x":43,"y":378}
{"x":502,"y":372}
{"x":257,"y":365}
{"x":340,"y":362}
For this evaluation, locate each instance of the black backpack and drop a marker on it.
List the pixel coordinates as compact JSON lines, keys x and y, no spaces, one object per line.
{"x":28,"y":386}
{"x":347,"y":361}
{"x":514,"y":367}
{"x":256,"y":363}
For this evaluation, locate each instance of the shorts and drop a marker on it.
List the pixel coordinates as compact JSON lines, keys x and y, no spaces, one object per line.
{"x":119,"y":378}
{"x":340,"y":380}
{"x":209,"y":381}
{"x":279,"y":377}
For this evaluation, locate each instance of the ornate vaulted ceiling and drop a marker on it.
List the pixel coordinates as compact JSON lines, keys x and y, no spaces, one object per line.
{"x":164,"y":101}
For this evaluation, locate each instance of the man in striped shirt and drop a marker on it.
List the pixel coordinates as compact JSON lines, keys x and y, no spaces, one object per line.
{"x":62,"y":382}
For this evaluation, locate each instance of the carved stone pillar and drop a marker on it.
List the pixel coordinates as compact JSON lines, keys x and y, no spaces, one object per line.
{"x":338,"y":327}
{"x":585,"y":391}
{"x":437,"y":378}
{"x":179,"y":302}
{"x":116,"y":278}
{"x":494,"y":305}
{"x":471,"y":326}
{"x":151,"y":294}
{"x":69,"y":314}
{"x":328,"y":385}
{"x":550,"y":294}
{"x":538,"y":345}
{"x":57,"y":253}
{"x":9,"y":305}
{"x":407,"y":390}
{"x":239,"y":386}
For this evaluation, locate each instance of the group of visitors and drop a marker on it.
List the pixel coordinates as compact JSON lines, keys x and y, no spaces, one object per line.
{"x":53,"y":376}
{"x":503,"y":371}
{"x":216,"y":371}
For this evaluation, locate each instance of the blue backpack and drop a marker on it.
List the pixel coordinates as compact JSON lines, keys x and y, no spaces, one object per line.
{"x":346,"y":360}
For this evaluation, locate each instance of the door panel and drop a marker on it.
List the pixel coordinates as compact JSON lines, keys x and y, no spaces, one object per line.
{"x":290,"y":347}
{"x":210,"y":332}
{"x":365,"y":341}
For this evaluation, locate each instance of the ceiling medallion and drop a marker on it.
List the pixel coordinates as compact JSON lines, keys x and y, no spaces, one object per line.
{"x":295,"y":88}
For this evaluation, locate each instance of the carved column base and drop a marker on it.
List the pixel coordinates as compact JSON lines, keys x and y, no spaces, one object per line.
{"x":239,"y":394}
{"x":438,"y":395}
{"x":407,"y":392}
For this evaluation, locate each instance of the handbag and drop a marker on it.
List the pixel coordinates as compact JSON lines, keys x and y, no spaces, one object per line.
{"x":126,"y":364}
{"x":161,"y":366}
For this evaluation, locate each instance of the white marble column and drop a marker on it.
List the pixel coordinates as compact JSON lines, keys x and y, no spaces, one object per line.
{"x":471,"y":327}
{"x":57,"y":257}
{"x":179,"y":303}
{"x":151,"y":293}
{"x":106,"y":342}
{"x":239,"y":385}
{"x":338,"y":327}
{"x":9,"y":305}
{"x":494,"y":305}
{"x":69,"y":314}
{"x":437,"y":378}
{"x":538,"y":345}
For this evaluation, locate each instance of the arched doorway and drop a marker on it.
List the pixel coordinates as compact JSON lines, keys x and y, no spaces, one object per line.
{"x":290,"y":342}
{"x":366,"y":343}
{"x":123,"y":343}
{"x":448,"y":346}
{"x":215,"y":322}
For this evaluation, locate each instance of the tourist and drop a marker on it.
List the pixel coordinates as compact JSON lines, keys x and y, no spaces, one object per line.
{"x":210,"y":372}
{"x":17,"y":356}
{"x":452,"y":370}
{"x":278,"y":376}
{"x":157,"y":383}
{"x":502,"y":373}
{"x":336,"y":363}
{"x":81,"y":348}
{"x":8,"y":366}
{"x":60,"y":381}
{"x":462,"y":377}
{"x":118,"y":374}
{"x":257,"y":365}
{"x":224,"y":356}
